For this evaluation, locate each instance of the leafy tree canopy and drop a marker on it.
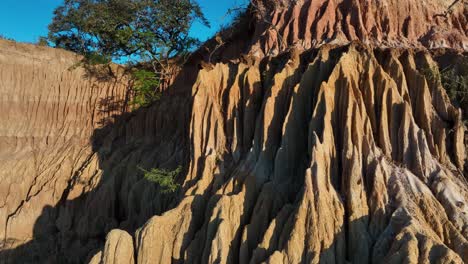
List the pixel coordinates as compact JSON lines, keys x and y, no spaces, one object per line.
{"x":147,"y":29}
{"x":155,"y":32}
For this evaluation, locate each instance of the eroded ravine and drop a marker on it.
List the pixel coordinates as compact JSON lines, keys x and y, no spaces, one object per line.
{"x":354,"y":166}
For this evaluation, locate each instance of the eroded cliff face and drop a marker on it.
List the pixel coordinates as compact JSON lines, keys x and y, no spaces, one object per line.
{"x":69,"y":154}
{"x":342,"y":154}
{"x":346,"y":153}
{"x":389,"y":23}
{"x":49,"y":113}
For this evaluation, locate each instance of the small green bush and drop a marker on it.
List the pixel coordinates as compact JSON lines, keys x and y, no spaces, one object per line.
{"x":454,"y":79}
{"x":165,"y":178}
{"x":42,"y":41}
{"x":145,"y":87}
{"x":456,"y":82}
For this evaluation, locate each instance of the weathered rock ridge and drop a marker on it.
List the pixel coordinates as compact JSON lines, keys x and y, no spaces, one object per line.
{"x":48,"y":114}
{"x":68,"y":156}
{"x":342,"y":154}
{"x":389,"y":23}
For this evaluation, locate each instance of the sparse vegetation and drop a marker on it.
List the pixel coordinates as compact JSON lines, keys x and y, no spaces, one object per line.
{"x":261,"y":11}
{"x":454,"y":79}
{"x":143,"y":87}
{"x":164,"y":178}
{"x":42,"y":41}
{"x":227,"y":32}
{"x":456,"y":84}
{"x":6,"y":38}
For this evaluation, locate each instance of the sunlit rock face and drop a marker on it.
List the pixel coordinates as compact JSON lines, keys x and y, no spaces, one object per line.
{"x":341,"y":154}
{"x":49,"y":112}
{"x":389,"y":23}
{"x":330,"y":151}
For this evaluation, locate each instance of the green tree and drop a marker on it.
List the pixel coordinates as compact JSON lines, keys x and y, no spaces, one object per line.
{"x":151,"y":32}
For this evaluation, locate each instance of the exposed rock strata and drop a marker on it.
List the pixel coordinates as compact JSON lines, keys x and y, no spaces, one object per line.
{"x":69,"y":156}
{"x":341,"y":154}
{"x":354,"y":156}
{"x":390,"y":23}
{"x":49,"y":113}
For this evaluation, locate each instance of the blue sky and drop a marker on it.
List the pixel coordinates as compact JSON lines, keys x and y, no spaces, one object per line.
{"x":27,"y":20}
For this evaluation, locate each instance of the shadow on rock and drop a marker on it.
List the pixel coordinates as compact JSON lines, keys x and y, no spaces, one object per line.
{"x":115,"y":194}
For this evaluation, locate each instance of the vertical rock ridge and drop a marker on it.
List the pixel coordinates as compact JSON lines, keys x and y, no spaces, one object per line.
{"x":308,"y":24}
{"x":367,"y":187}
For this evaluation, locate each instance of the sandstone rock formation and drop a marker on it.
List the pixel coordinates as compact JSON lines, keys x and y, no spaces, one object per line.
{"x":390,"y":23}
{"x":354,"y":156}
{"x":48,"y":114}
{"x":69,"y":155}
{"x":344,"y":153}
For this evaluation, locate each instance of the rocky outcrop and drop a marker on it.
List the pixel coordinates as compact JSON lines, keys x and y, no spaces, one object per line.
{"x":389,"y":23}
{"x":49,"y":112}
{"x":70,"y":152}
{"x":118,"y":249}
{"x":354,"y":156}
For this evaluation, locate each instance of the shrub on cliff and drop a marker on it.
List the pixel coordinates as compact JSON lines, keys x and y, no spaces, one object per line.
{"x":143,"y":86}
{"x":454,"y":78}
{"x":164,"y":178}
{"x":149,"y":32}
{"x":42,"y":41}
